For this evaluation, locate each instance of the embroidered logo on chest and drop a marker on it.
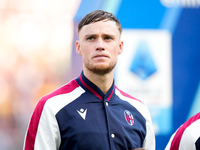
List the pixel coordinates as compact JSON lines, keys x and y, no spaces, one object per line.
{"x":129,"y":117}
{"x":82,"y":113}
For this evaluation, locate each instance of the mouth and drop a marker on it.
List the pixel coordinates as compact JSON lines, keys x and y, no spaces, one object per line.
{"x":100,"y":56}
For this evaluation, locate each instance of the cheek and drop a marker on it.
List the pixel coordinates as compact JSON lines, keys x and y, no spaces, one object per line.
{"x":85,"y":56}
{"x":115,"y":50}
{"x":86,"y":48}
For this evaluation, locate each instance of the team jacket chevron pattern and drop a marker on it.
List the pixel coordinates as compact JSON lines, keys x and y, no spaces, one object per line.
{"x":187,"y":136}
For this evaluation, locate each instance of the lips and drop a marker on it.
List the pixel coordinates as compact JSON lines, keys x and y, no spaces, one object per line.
{"x":100,"y":56}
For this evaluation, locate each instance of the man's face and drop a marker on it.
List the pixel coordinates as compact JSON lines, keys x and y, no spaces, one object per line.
{"x":99,"y":44}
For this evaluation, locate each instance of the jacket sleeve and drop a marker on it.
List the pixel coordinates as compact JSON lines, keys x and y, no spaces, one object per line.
{"x":43,"y":131}
{"x":149,"y":142}
{"x":186,"y":136}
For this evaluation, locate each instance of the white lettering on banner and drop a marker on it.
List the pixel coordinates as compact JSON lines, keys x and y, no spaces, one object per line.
{"x":181,"y":3}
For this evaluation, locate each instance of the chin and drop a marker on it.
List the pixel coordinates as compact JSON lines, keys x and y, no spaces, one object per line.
{"x":102,"y":70}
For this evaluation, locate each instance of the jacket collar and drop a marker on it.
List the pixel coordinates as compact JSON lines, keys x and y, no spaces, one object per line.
{"x":91,"y":87}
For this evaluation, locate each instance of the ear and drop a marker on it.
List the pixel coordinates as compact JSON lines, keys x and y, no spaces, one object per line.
{"x":121,"y":46}
{"x":78,"y":48}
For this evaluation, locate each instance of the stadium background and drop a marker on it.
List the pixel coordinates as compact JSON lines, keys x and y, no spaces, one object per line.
{"x":37,"y":56}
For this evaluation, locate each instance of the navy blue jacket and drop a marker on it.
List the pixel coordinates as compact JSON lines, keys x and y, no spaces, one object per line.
{"x":79,"y":116}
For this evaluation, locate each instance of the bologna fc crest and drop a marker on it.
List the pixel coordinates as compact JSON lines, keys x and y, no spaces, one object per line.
{"x":129,"y":117}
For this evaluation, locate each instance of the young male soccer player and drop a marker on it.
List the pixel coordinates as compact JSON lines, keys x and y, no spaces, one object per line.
{"x":90,"y":112}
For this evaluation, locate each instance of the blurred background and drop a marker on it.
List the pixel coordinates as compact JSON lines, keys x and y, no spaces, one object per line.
{"x":160,"y":64}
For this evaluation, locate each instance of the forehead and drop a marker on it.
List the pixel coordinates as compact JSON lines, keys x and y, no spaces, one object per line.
{"x":107,"y":27}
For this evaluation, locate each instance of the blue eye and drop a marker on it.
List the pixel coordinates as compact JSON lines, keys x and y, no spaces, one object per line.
{"x":90,"y":38}
{"x":108,"y":38}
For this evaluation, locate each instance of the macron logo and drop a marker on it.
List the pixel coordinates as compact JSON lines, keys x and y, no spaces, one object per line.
{"x":82,"y":113}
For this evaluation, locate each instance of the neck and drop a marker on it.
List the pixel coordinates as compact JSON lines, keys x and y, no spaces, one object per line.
{"x":104,"y":82}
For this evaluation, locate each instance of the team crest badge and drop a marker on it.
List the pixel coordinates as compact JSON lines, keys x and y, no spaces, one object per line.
{"x":129,"y":117}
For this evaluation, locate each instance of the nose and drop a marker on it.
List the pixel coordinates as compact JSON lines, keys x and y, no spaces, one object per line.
{"x":100,"y":44}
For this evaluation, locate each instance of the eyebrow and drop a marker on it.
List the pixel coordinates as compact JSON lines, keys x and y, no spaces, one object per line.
{"x":95,"y":35}
{"x":90,"y":35}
